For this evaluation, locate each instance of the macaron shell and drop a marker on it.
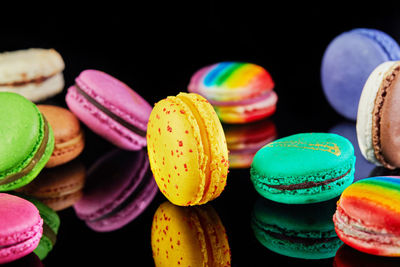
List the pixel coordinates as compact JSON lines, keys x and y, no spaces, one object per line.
{"x":69,"y":139}
{"x":348,"y":61}
{"x":18,"y":237}
{"x":101,"y":124}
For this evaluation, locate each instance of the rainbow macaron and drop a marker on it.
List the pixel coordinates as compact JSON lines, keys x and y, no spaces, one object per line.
{"x":20,"y":227}
{"x":187,"y":149}
{"x":304,"y":168}
{"x":26,"y":141}
{"x":240,"y":92}
{"x":367,"y":217}
{"x":110,"y":108}
{"x":189,"y":236}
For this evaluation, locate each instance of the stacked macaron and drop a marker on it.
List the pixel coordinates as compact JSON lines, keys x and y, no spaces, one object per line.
{"x":240,"y":92}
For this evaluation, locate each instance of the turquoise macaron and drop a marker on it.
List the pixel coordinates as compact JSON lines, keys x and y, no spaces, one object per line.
{"x":303,"y":231}
{"x":304,"y":168}
{"x":26,"y":141}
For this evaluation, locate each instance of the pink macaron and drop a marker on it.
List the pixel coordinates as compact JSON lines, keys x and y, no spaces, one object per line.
{"x":21,"y":227}
{"x":110,"y":108}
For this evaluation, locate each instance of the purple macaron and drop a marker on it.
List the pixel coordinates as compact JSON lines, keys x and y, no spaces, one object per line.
{"x":348,"y":61}
{"x":120,"y":186}
{"x":110,"y":108}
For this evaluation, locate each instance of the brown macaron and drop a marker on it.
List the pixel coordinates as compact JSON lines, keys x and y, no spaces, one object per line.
{"x":59,"y":187}
{"x":378,"y":123}
{"x":68,"y":134}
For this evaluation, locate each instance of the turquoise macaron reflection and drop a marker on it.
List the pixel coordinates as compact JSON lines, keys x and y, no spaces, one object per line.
{"x":300,"y":231}
{"x":304,"y":168}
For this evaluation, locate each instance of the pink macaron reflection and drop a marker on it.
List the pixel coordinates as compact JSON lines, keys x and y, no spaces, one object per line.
{"x":119,"y":187}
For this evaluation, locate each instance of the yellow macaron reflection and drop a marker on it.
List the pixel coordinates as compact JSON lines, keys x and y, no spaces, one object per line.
{"x":189,"y":236}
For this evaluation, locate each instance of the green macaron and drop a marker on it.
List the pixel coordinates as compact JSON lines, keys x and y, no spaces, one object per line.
{"x":303,"y":231}
{"x":51,"y":224}
{"x":304,"y":168}
{"x":26,"y":141}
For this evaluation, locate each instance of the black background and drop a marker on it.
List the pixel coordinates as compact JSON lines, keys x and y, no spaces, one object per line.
{"x":155,"y":48}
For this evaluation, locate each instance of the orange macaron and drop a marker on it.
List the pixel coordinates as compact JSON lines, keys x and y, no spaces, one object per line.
{"x":68,"y":134}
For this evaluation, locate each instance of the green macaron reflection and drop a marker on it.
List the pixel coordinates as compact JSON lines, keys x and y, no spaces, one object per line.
{"x":51,"y":224}
{"x":301,"y":231}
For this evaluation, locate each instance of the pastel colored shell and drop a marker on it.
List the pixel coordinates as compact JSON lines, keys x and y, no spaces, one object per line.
{"x":368,"y":216}
{"x":231,"y":81}
{"x":189,"y":236}
{"x":187,"y":149}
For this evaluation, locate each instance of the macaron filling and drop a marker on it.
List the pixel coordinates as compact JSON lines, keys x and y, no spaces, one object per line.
{"x":308,"y":184}
{"x":36,"y":80}
{"x":38,"y":155}
{"x":49,"y":233}
{"x":113,"y":116}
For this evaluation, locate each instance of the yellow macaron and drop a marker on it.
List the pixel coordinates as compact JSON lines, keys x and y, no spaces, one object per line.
{"x":187,"y":149}
{"x":189,"y":236}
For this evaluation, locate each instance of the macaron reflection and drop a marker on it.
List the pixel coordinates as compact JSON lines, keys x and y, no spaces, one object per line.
{"x":189,"y":236}
{"x":362,"y":167}
{"x":246,"y":139}
{"x":59,"y":187}
{"x":349,"y":257}
{"x":120,"y":186}
{"x":30,"y":260}
{"x":299,"y":231}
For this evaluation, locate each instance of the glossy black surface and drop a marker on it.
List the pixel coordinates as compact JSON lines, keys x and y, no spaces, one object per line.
{"x":155,"y":49}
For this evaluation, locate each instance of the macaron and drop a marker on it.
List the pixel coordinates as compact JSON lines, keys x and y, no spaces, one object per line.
{"x":51,"y":224}
{"x":187,"y":149}
{"x":18,"y":237}
{"x":367,"y":217}
{"x":348,"y":257}
{"x":110,"y":108}
{"x":189,"y":236}
{"x":363,"y":167}
{"x":299,"y":231}
{"x":377,"y":124}
{"x":68,"y":134}
{"x":26,"y":141}
{"x":34,"y":73}
{"x":240,"y":92}
{"x":244,"y":140}
{"x":348,"y":61}
{"x":59,"y":187}
{"x":304,"y":168}
{"x":120,"y":187}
